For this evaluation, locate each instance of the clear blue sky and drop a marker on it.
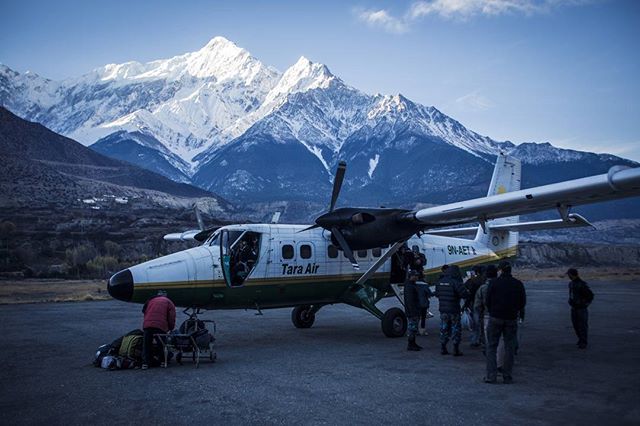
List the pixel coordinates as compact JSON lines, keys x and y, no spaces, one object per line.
{"x":563,"y":71}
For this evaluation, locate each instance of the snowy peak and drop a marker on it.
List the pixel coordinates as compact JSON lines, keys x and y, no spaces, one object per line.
{"x":219,"y":59}
{"x":390,"y":105}
{"x":302,"y":76}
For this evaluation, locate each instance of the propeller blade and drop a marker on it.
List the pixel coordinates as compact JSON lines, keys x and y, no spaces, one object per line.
{"x":308,"y":228}
{"x":337,"y":184}
{"x":198,"y":217}
{"x":345,"y":247}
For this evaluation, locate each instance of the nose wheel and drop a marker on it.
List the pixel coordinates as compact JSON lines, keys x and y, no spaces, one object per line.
{"x":303,"y":316}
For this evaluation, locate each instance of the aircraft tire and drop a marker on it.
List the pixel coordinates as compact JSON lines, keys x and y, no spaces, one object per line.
{"x":394,"y":323}
{"x":302,"y":317}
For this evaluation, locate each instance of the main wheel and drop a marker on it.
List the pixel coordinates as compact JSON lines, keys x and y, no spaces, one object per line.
{"x":394,"y":323}
{"x":302,"y":316}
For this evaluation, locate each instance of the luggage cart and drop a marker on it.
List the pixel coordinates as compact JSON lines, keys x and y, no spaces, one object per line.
{"x":193,"y":339}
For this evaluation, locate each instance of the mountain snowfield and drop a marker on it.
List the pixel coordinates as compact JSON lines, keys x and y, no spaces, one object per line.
{"x":222,"y":120}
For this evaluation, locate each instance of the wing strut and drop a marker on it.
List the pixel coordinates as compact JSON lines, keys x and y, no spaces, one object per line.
{"x":372,"y":270}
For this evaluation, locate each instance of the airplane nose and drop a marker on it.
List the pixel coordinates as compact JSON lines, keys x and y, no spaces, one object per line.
{"x":120,"y":285}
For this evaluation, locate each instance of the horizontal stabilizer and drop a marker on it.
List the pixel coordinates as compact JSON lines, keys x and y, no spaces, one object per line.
{"x":191,"y":235}
{"x":573,"y":221}
{"x":182,"y":236}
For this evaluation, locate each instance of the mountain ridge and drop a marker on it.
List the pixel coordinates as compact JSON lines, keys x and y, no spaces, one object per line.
{"x":221,"y":119}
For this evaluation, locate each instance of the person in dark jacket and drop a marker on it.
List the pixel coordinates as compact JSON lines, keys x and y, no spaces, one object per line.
{"x":159,"y":318}
{"x":449,"y":291}
{"x":506,"y":297}
{"x":412,"y":309}
{"x":480,"y":303}
{"x":580,"y":296}
{"x":472,"y":285}
{"x":425,"y":294}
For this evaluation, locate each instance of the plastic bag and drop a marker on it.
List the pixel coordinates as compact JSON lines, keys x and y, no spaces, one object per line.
{"x":466,"y":320}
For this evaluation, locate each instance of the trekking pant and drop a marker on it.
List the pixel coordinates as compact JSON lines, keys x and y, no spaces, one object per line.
{"x":412,"y":326}
{"x":450,"y":328}
{"x":507,"y":329}
{"x":476,"y":332}
{"x":580,"y":320}
{"x":423,"y":317}
{"x":147,"y":344}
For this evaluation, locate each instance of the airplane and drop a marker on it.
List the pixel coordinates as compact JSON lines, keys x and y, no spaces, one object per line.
{"x":351,"y":255}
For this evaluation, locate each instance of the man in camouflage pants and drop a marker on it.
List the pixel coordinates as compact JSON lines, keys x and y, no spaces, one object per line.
{"x":449,"y":291}
{"x":412,"y":309}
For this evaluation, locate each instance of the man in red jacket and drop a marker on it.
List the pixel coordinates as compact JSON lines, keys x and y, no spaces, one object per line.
{"x":159,"y":318}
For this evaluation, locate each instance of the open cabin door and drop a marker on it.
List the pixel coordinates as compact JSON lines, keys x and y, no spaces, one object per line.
{"x":239,"y":252}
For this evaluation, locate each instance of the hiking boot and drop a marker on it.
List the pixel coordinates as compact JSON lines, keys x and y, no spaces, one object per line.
{"x":443,"y":350}
{"x":456,"y":351}
{"x":490,"y":381}
{"x":412,"y":345}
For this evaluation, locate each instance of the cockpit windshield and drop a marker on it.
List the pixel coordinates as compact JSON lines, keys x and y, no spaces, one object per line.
{"x":214,"y":239}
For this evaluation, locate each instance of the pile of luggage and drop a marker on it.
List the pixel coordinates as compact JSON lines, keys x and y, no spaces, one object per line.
{"x":123,"y":353}
{"x":192,"y":337}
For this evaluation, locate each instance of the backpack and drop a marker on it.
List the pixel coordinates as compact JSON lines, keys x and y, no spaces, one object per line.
{"x":131,"y":347}
{"x":102,"y":352}
{"x":588,"y":295}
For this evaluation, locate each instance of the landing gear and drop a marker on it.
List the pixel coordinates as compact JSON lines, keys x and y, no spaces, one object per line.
{"x":394,"y":323}
{"x":303,"y":316}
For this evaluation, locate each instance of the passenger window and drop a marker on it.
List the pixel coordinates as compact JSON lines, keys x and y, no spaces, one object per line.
{"x":305,"y":251}
{"x":362,"y":254}
{"x":332,"y":251}
{"x":287,"y":251}
{"x":376,"y":252}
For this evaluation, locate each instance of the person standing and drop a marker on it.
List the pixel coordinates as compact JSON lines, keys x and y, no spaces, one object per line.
{"x":412,"y":309}
{"x":580,"y":297}
{"x":424,"y":292}
{"x":159,"y":318}
{"x":506,"y":297}
{"x":449,"y":291}
{"x":472,"y":285}
{"x":480,"y":303}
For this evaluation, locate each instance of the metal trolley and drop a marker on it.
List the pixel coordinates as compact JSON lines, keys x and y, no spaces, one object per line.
{"x":193,"y":339}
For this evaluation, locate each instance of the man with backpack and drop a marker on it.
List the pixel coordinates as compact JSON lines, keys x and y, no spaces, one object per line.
{"x":580,"y":297}
{"x":159,"y":318}
{"x":449,"y":291}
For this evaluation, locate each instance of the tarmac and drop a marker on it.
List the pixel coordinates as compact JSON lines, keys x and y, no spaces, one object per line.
{"x":340,"y":371}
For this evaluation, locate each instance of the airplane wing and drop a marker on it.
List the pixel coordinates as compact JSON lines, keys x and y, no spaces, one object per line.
{"x":619,"y":182}
{"x":574,"y":220}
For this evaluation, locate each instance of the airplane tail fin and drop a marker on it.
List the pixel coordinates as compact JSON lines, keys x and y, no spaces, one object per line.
{"x":506,"y":178}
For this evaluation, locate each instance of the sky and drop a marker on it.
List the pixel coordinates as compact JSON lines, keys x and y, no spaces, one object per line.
{"x":559,"y":71}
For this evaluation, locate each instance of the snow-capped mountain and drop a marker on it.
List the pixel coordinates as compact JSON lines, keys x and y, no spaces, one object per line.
{"x":221,"y":119}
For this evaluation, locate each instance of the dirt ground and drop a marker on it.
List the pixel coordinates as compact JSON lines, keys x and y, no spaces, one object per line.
{"x":340,"y":371}
{"x":52,"y":290}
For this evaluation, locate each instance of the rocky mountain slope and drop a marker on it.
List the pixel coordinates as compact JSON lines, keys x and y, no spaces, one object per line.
{"x":41,"y":167}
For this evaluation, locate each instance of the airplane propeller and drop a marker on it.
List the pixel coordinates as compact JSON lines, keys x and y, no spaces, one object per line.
{"x":320,"y":223}
{"x":361,"y":228}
